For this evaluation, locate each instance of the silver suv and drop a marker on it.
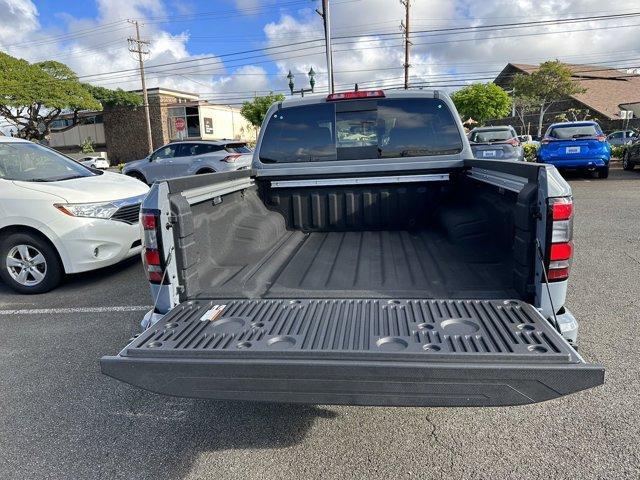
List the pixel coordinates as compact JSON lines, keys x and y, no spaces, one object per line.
{"x":496,"y":143}
{"x":179,"y":159}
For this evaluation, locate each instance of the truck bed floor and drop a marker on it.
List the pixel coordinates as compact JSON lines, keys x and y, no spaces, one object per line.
{"x":366,"y":264}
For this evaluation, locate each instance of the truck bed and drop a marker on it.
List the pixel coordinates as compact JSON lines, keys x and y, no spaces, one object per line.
{"x":364,"y":264}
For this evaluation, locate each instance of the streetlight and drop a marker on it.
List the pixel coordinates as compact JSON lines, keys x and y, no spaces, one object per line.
{"x":312,"y":80}
{"x":302,"y":91}
{"x":291,"y":76}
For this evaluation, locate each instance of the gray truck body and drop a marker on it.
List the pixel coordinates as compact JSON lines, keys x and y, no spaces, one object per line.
{"x":405,"y":281}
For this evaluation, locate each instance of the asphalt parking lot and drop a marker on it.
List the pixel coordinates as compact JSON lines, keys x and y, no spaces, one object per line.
{"x":60,"y":418}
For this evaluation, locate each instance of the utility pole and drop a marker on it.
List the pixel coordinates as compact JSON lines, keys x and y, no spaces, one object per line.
{"x":326,"y":20}
{"x":404,"y":27}
{"x":141,"y":47}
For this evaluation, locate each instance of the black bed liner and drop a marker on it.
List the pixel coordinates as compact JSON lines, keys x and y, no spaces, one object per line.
{"x":356,"y":351}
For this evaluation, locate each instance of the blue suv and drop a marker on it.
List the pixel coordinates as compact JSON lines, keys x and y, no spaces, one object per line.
{"x":576,"y":146}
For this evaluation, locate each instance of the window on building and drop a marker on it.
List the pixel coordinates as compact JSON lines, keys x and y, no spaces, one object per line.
{"x":184,"y":122}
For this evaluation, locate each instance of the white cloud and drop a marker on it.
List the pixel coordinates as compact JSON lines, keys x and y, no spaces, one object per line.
{"x":17,"y":12}
{"x":106,"y":50}
{"x":441,"y":58}
{"x":248,"y":7}
{"x":437,"y":58}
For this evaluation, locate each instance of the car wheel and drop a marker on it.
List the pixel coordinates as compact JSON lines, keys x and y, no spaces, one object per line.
{"x":603,"y":172}
{"x":627,"y":164}
{"x":29,"y":264}
{"x":93,"y":166}
{"x":137,"y":176}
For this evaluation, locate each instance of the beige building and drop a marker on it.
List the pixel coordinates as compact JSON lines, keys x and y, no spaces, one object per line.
{"x":92,"y":128}
{"x":204,"y":121}
{"x":121,"y":131}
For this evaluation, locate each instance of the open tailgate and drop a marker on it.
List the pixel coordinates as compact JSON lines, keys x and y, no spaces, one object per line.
{"x":357,"y":352}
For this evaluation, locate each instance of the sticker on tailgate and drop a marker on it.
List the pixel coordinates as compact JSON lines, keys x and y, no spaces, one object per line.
{"x":573,"y":150}
{"x":213,"y":313}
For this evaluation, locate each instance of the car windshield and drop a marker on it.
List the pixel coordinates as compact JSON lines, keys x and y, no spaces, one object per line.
{"x":573,"y":131}
{"x":30,"y":162}
{"x":237,"y":148}
{"x":496,"y":135}
{"x":360,"y":130}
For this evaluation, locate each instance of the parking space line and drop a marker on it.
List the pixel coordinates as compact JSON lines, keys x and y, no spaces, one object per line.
{"x":41,"y":311}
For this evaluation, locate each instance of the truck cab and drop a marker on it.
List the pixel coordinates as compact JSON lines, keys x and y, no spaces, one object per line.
{"x":365,"y":259}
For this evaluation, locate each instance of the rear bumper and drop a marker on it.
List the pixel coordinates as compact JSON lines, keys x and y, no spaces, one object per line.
{"x":576,"y":164}
{"x":353,"y":382}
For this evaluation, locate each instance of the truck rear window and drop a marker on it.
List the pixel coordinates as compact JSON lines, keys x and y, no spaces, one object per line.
{"x":360,"y":130}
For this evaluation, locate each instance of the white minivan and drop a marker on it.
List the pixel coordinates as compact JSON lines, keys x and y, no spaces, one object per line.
{"x":57,"y":216}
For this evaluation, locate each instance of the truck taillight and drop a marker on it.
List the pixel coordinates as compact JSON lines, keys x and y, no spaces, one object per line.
{"x":601,"y":138}
{"x":562,"y":208}
{"x":514,"y":142}
{"x":152,"y":256}
{"x":561,"y":235}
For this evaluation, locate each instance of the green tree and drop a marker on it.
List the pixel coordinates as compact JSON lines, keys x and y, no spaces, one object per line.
{"x":573,"y":115}
{"x":255,"y":110}
{"x":114,"y":98}
{"x":482,"y":101}
{"x":523,"y":106}
{"x":33,"y":96}
{"x":551,"y":83}
{"x":87,"y":145}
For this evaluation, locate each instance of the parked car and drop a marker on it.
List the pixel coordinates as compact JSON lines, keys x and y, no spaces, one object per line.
{"x":631,"y":156}
{"x":496,"y":143}
{"x":58,"y":217}
{"x":179,"y":159}
{"x":365,"y":259}
{"x":576,"y":146}
{"x":622,"y":137}
{"x":94,"y":162}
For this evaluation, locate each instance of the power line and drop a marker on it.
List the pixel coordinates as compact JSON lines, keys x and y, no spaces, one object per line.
{"x":305,"y":42}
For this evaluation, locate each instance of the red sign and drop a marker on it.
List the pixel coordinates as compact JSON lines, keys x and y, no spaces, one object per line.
{"x":180,"y":124}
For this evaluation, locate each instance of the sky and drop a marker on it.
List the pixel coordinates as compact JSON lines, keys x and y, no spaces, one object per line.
{"x":230,"y":50}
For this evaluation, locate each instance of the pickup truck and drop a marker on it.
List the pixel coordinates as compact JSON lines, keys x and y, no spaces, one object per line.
{"x":365,"y":259}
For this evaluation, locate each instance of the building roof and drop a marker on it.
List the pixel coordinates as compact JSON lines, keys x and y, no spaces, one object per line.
{"x":202,"y":103}
{"x":168,"y":91}
{"x":606,"y":87}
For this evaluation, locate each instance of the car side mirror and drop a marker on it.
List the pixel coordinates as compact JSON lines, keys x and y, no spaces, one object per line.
{"x":149,"y":159}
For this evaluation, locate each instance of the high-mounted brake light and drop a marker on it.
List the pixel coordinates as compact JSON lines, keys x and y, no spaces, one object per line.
{"x":354,"y":95}
{"x":152,"y":256}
